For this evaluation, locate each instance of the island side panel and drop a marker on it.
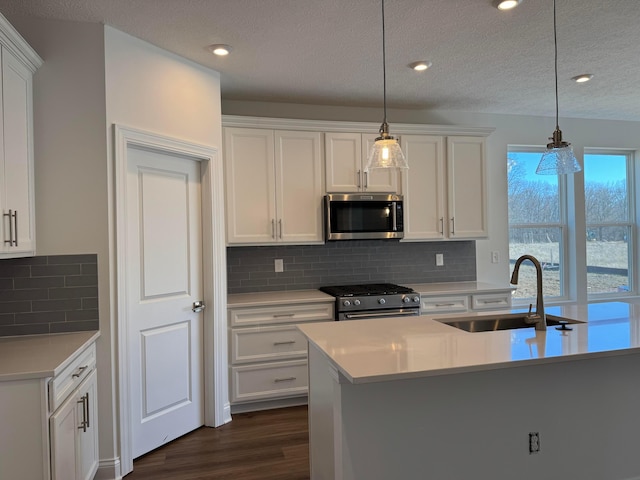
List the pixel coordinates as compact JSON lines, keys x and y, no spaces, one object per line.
{"x":324,"y":417}
{"x":476,"y":425}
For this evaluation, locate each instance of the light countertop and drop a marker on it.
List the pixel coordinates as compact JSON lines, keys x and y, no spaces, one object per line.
{"x":277,"y":297}
{"x":384,"y":349}
{"x":311,"y":296}
{"x":449,"y":288}
{"x":40,"y":356}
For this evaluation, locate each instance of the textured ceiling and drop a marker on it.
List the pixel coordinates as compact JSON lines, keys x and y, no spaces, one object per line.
{"x":329,"y":51}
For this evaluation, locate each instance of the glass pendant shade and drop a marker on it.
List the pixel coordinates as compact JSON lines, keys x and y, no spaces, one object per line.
{"x":558,"y":158}
{"x":386,"y":153}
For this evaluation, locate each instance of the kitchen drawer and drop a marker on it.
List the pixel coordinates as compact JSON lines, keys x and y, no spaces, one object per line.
{"x":256,"y":344}
{"x":269,"y":380}
{"x":61,"y":386}
{"x":486,"y":301}
{"x":430,"y":305}
{"x":298,"y":313}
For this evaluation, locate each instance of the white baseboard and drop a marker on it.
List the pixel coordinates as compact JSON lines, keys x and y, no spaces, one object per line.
{"x":108,"y":470}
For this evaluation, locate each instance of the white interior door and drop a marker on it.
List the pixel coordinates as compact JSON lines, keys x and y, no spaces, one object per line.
{"x":164,"y":272}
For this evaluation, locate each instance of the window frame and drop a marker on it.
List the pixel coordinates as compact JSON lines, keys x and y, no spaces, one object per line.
{"x":562,"y":225}
{"x":631,"y":224}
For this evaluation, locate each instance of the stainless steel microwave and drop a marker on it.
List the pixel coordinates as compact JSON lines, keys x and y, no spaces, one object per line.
{"x":361,"y":216}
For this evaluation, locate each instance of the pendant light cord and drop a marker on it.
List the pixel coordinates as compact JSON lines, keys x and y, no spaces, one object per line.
{"x":384,"y":69}
{"x":555,"y":45}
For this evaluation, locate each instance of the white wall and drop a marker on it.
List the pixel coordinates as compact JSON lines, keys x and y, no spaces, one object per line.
{"x":149,"y":89}
{"x":509,"y":130}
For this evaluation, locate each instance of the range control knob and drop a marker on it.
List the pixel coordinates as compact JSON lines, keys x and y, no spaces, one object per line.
{"x":382,"y":301}
{"x":406,"y":299}
{"x":346,"y":303}
{"x":416,"y":299}
{"x":356,"y":302}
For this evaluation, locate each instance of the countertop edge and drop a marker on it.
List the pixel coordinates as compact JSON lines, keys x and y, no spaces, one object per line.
{"x":55,"y":369}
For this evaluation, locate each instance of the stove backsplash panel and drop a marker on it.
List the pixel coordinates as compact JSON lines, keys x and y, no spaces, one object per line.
{"x":251,"y":269}
{"x":48,"y":294}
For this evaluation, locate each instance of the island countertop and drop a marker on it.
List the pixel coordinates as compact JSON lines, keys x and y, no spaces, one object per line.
{"x":374,"y":350}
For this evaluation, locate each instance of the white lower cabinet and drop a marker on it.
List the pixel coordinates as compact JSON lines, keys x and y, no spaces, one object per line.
{"x":268,"y":354}
{"x":74,"y":434}
{"x":464,"y":301}
{"x":49,"y":426}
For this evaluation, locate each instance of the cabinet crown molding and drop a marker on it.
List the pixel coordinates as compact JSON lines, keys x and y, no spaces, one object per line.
{"x":349,"y":127}
{"x":13,"y":41}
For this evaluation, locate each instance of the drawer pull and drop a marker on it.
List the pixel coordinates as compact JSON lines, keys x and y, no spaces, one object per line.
{"x":284,"y":379}
{"x":487,"y":302}
{"x":445,"y":304}
{"x":282,"y":315}
{"x":286,"y":342}
{"x":79,"y":372}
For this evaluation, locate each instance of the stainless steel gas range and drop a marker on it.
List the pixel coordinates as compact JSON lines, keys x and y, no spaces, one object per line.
{"x":375,"y":300}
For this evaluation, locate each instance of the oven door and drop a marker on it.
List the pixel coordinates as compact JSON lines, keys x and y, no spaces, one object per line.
{"x":395,"y":312}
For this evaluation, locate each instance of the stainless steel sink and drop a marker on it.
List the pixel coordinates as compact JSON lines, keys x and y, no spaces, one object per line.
{"x":508,"y":321}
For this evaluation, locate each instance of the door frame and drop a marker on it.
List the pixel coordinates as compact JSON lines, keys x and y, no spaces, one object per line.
{"x":217,"y":410}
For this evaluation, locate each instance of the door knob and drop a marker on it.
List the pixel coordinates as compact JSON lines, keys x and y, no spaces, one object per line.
{"x":198,"y":306}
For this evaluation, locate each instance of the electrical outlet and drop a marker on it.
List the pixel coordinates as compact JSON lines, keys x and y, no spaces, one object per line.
{"x":495,"y":257}
{"x":534,"y":442}
{"x":439,"y":259}
{"x":279,"y":265}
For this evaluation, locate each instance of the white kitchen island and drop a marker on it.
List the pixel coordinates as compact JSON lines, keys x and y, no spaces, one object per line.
{"x":412,"y":398}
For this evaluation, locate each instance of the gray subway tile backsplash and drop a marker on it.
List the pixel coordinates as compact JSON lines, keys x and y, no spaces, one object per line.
{"x":48,"y":294}
{"x":251,"y":269}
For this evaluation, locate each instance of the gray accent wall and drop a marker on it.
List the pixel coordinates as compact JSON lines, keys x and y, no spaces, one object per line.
{"x":251,"y":269}
{"x":48,"y":294}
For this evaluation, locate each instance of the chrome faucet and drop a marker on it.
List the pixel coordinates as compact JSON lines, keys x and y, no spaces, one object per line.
{"x":538,"y":318}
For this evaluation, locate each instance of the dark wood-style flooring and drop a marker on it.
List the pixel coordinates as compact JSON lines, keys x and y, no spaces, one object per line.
{"x":267,"y":445}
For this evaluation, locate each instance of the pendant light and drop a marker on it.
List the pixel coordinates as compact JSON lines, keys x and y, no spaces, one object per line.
{"x":386,"y":152}
{"x":558,"y":158}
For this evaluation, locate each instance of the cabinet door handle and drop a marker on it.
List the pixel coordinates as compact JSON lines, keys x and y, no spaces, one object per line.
{"x":273,"y":228}
{"x":366,"y":179}
{"x":79,"y":372}
{"x":88,"y":416}
{"x":83,"y":424}
{"x":453,"y":226}
{"x":358,"y":182}
{"x":280,"y":228}
{"x":441,"y":225}
{"x":286,"y":342}
{"x":13,"y":228}
{"x":284,"y":379}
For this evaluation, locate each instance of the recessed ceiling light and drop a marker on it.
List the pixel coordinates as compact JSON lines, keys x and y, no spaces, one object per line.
{"x":585,"y":77}
{"x":506,"y":4}
{"x":420,"y":66}
{"x":220,"y":49}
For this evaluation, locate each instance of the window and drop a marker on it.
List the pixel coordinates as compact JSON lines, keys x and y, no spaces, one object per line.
{"x":609,"y":225}
{"x":536,"y":223}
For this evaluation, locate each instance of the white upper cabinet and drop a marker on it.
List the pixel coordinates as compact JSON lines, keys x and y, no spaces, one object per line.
{"x":274,"y":186}
{"x":467,"y":187}
{"x":19,"y":62}
{"x":346,"y":159}
{"x":424,"y":187}
{"x":445,"y":187}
